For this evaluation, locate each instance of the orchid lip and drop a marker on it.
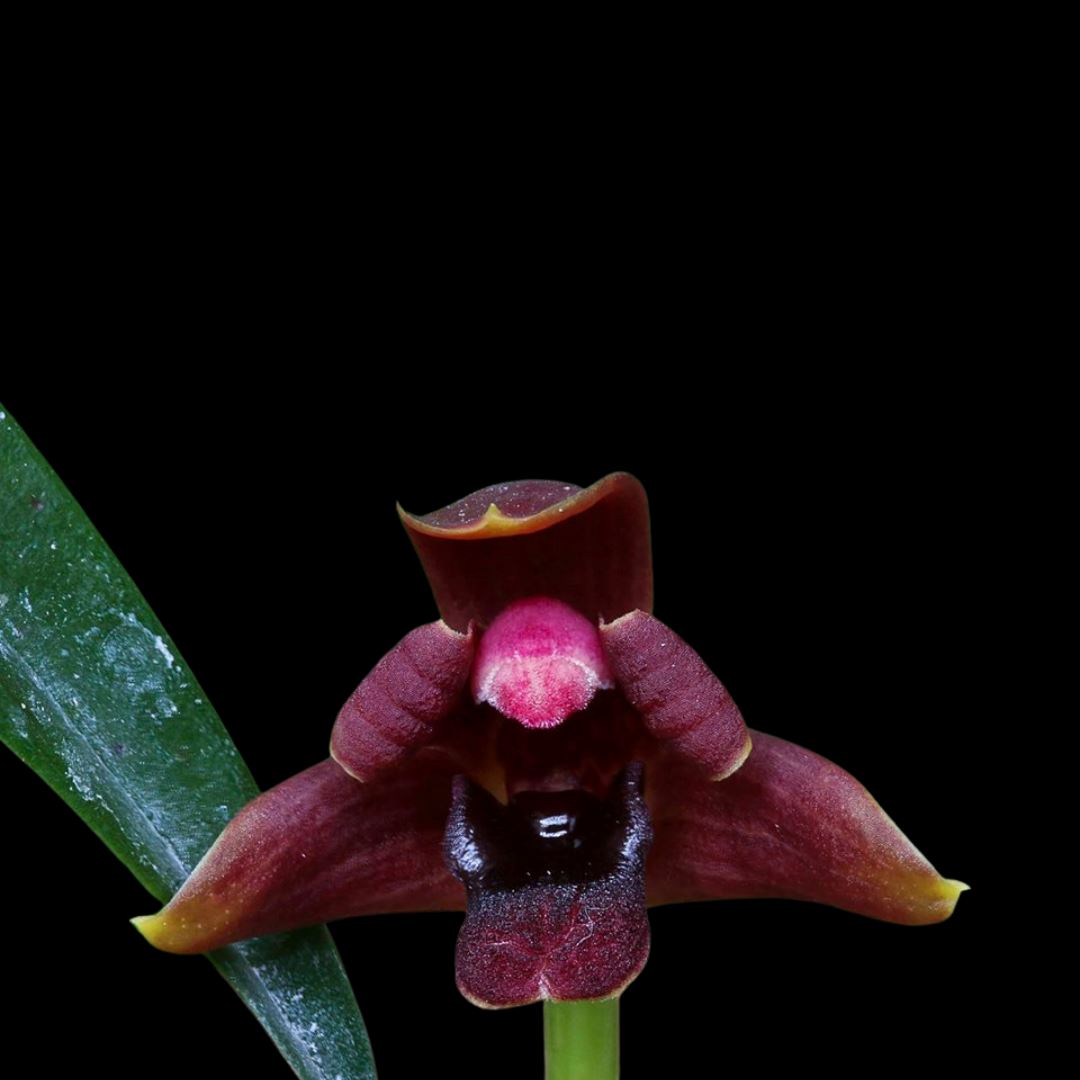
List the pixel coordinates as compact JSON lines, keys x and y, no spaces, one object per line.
{"x":555,"y":887}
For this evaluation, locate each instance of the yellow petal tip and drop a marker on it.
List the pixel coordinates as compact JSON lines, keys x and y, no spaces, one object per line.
{"x":744,"y":753}
{"x":151,"y":927}
{"x":947,"y":892}
{"x":175,"y":933}
{"x":953,"y":888}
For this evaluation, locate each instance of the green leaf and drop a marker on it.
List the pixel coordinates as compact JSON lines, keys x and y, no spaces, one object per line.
{"x":96,"y":699}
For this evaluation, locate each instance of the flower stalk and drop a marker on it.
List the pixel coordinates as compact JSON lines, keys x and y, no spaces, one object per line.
{"x":581,"y":1040}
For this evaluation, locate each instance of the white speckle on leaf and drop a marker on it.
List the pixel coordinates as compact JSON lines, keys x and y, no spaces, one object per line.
{"x":79,"y":784}
{"x":3,"y":599}
{"x":52,"y":545}
{"x":124,"y":650}
{"x":159,"y":644}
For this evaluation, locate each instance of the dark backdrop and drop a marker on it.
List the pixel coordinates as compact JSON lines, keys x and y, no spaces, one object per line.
{"x":811,"y":540}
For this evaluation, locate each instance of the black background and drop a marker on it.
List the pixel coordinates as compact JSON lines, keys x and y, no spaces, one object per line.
{"x":252,"y":304}
{"x":812,"y":538}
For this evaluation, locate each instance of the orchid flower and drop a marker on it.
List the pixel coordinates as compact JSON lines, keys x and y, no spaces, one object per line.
{"x":552,"y":759}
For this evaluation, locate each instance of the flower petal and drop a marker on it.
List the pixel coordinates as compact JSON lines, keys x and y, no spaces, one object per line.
{"x":788,"y":824}
{"x":681,"y":701}
{"x":587,"y":547}
{"x":556,"y":892}
{"x":317,"y":847}
{"x":399,"y":706}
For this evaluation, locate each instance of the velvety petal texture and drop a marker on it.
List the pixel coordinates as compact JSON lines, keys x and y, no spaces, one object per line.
{"x":401,"y":704}
{"x":556,"y":892}
{"x":788,"y":824}
{"x":319,"y":846}
{"x":681,"y":701}
{"x":588,"y":547}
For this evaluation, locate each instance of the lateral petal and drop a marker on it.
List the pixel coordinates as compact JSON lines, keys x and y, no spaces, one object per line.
{"x":317,"y":847}
{"x":588,"y":547}
{"x":399,"y":706}
{"x":787,"y":824}
{"x":681,"y":701}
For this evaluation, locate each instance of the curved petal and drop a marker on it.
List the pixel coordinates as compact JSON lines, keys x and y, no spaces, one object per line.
{"x":556,"y":892}
{"x":587,"y":547}
{"x":400,"y":704}
{"x":681,"y":701}
{"x":317,"y":847}
{"x":788,"y":824}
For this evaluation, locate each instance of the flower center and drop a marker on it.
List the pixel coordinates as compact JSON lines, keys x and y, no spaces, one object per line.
{"x":538,"y":662}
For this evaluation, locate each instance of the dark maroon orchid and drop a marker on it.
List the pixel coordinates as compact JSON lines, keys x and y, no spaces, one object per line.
{"x":551,"y":758}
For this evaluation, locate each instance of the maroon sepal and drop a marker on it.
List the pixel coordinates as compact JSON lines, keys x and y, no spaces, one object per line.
{"x":681,"y":701}
{"x":587,"y":547}
{"x":556,"y":891}
{"x":399,"y":706}
{"x":788,"y":824}
{"x":317,"y":847}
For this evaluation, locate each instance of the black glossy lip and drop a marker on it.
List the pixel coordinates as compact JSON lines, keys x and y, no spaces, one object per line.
{"x":548,"y":837}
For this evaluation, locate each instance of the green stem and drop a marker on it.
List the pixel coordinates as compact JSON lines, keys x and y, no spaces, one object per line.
{"x":581,"y":1040}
